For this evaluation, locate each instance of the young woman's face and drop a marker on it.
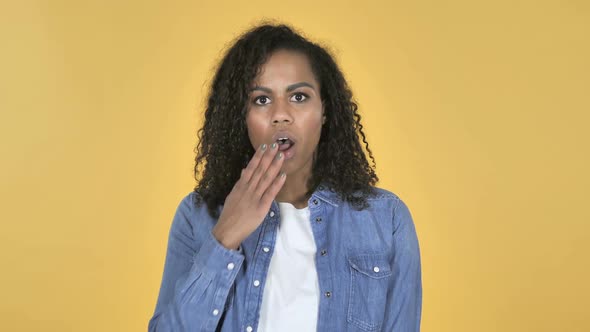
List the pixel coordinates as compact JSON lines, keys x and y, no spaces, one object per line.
{"x":285,"y":107}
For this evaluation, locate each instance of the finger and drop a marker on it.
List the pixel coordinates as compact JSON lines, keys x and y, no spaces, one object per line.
{"x":263,"y":165}
{"x":253,"y":163}
{"x":270,"y":174}
{"x":272,"y":191}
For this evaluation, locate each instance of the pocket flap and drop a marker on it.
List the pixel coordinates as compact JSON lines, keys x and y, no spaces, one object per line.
{"x":372,"y":265}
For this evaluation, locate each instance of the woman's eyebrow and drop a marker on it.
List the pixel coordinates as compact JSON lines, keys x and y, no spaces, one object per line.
{"x":298,"y":85}
{"x":289,"y":88}
{"x":261,"y":88}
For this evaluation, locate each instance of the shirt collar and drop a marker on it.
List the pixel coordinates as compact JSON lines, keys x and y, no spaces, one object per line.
{"x":324,"y":192}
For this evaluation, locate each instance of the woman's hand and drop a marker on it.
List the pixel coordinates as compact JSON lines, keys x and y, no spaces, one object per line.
{"x":250,"y":199}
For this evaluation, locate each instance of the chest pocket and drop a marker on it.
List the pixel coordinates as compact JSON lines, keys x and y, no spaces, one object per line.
{"x":370,"y":277}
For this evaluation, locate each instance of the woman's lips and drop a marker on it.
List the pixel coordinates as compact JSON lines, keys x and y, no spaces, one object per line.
{"x":287,"y":151}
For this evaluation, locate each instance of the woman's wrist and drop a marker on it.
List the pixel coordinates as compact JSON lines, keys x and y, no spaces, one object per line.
{"x":224,"y":240}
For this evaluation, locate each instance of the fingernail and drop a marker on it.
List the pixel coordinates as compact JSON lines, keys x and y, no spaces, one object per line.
{"x":280,"y":155}
{"x":283,"y":174}
{"x":263,"y":147}
{"x":274,"y":145}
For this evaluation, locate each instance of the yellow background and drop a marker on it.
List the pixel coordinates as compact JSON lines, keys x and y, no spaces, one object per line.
{"x":477,"y":112}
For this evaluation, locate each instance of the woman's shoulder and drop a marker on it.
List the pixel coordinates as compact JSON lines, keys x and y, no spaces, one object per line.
{"x":376,"y":197}
{"x":193,"y":205}
{"x":190,"y":200}
{"x":383,"y":194}
{"x":390,"y":199}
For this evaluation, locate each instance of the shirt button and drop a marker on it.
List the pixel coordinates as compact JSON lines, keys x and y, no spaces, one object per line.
{"x":265,"y":249}
{"x":376,"y":269}
{"x":215,"y":312}
{"x":324,"y":252}
{"x":315,"y":201}
{"x":230,"y":266}
{"x":328,"y":294}
{"x":256,"y":283}
{"x":321,"y":187}
{"x":272,"y":214}
{"x":318,"y":219}
{"x":249,"y":329}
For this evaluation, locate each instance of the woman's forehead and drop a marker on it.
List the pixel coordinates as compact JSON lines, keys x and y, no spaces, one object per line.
{"x":284,"y":68}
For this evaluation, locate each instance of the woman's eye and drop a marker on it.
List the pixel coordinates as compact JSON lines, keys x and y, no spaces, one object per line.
{"x":262,"y":100}
{"x":299,"y":97}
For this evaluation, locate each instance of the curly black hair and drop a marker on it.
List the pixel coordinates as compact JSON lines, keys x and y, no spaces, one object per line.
{"x":224,"y":148}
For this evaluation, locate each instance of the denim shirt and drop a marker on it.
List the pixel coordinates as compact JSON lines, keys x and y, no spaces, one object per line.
{"x":367,"y":261}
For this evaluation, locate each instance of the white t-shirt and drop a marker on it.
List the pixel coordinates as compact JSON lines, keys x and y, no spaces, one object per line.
{"x":290,"y":298}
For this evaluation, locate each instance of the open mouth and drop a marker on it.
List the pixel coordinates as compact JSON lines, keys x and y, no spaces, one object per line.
{"x":284,"y":143}
{"x":286,"y":147}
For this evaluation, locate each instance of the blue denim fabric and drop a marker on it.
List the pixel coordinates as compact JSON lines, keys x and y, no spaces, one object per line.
{"x":369,"y":274}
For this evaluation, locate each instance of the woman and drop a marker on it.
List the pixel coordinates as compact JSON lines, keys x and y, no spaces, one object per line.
{"x":285,"y":230}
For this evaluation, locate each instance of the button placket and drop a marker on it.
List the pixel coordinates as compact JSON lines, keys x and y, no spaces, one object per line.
{"x":268,"y":231}
{"x":319,"y":229}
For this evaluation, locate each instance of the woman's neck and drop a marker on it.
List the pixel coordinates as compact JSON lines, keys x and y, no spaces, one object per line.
{"x":294,"y":191}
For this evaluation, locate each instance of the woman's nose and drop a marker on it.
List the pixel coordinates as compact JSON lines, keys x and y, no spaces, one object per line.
{"x":282,"y":113}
